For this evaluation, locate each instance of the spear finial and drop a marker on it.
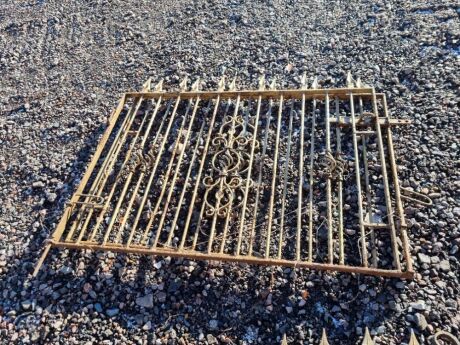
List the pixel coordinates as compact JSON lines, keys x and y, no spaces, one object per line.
{"x":221,"y":84}
{"x":413,"y":340}
{"x":196,"y":85}
{"x":314,"y":85}
{"x":232,"y":86}
{"x":304,"y":81}
{"x":262,"y":82}
{"x":159,"y":86}
{"x":367,"y":338}
{"x":324,"y":338}
{"x":183,"y":84}
{"x":350,"y":80}
{"x":147,"y":85}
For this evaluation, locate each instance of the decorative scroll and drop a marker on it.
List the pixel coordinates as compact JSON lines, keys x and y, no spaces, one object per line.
{"x":229,"y":162}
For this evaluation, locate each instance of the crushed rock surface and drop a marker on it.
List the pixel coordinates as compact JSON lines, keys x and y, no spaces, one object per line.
{"x":64,"y":64}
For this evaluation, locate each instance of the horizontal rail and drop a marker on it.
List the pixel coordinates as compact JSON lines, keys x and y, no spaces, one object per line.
{"x":341,"y":93}
{"x":191,"y":254}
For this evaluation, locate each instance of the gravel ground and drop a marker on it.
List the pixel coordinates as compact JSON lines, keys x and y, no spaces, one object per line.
{"x":64,"y":64}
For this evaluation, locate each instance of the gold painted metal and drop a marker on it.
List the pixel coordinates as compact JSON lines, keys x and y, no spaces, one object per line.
{"x":367,"y":338}
{"x":266,"y":176}
{"x":324,"y":338}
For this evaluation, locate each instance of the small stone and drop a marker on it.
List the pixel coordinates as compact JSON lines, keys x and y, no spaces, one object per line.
{"x":98,"y":307}
{"x":161,"y":296}
{"x":211,"y":339}
{"x":423,"y":258}
{"x":26,"y":305}
{"x":419,"y":305}
{"x":157,"y":265}
{"x":112,"y":312}
{"x":38,"y":184}
{"x":269,"y":299}
{"x":66,"y":270}
{"x":302,"y":302}
{"x":420,"y":321}
{"x":147,"y":326}
{"x":213,"y":324}
{"x":288,"y":309}
{"x":145,"y":301}
{"x":444,"y":266}
{"x":51,"y":197}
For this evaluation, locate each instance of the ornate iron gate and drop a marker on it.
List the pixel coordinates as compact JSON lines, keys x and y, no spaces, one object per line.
{"x":301,"y":178}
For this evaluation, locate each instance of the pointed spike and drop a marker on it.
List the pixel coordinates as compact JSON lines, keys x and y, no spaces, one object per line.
{"x":304,"y":81}
{"x":273,"y":84}
{"x":349,"y":80}
{"x":262,"y":82}
{"x":159,"y":86}
{"x":284,"y":340}
{"x":324,"y":338}
{"x":183,"y":84}
{"x":358,"y":83}
{"x":413,"y":340}
{"x":147,"y":85}
{"x":314,"y":85}
{"x":221,"y":85}
{"x":367,"y":338}
{"x":232,"y":86}
{"x":196,"y":85}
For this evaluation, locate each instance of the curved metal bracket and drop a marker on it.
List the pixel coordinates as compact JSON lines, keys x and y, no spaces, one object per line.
{"x":415,"y":197}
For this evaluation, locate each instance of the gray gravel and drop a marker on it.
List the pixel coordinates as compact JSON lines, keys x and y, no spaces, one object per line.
{"x":63,"y":65}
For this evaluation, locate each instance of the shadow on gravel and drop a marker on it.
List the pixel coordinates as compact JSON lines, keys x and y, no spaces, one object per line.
{"x":76,"y":291}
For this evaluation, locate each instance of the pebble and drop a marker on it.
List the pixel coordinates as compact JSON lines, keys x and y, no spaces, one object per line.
{"x":112,"y":312}
{"x":419,"y":305}
{"x":213,"y":324}
{"x":161,"y":296}
{"x":423,"y":258}
{"x":145,"y":301}
{"x":59,"y":91}
{"x":420,"y":321}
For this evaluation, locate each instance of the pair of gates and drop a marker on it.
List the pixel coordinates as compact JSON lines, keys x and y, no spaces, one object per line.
{"x":301,"y":178}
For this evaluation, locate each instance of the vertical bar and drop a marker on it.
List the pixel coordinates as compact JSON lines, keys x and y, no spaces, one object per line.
{"x":300,"y":189}
{"x":311,"y":181}
{"x":248,"y":178}
{"x":339,"y":184}
{"x":102,"y":174}
{"x":368,"y":189}
{"x":141,"y":176}
{"x":285,"y":178}
{"x":198,"y":179}
{"x":171,"y":189}
{"x":170,"y":165}
{"x":113,"y":188}
{"x":259,"y":179}
{"x":176,"y":173}
{"x":121,"y":198}
{"x":152,"y":174}
{"x":358,"y":182}
{"x":106,"y":175}
{"x":399,"y":205}
{"x":385,"y":183}
{"x":330,"y":243}
{"x":273,"y":188}
{"x":221,"y":184}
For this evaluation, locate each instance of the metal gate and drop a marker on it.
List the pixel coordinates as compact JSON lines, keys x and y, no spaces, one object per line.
{"x":301,"y":178}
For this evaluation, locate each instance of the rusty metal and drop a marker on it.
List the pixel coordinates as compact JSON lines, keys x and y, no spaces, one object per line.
{"x":302,"y":178}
